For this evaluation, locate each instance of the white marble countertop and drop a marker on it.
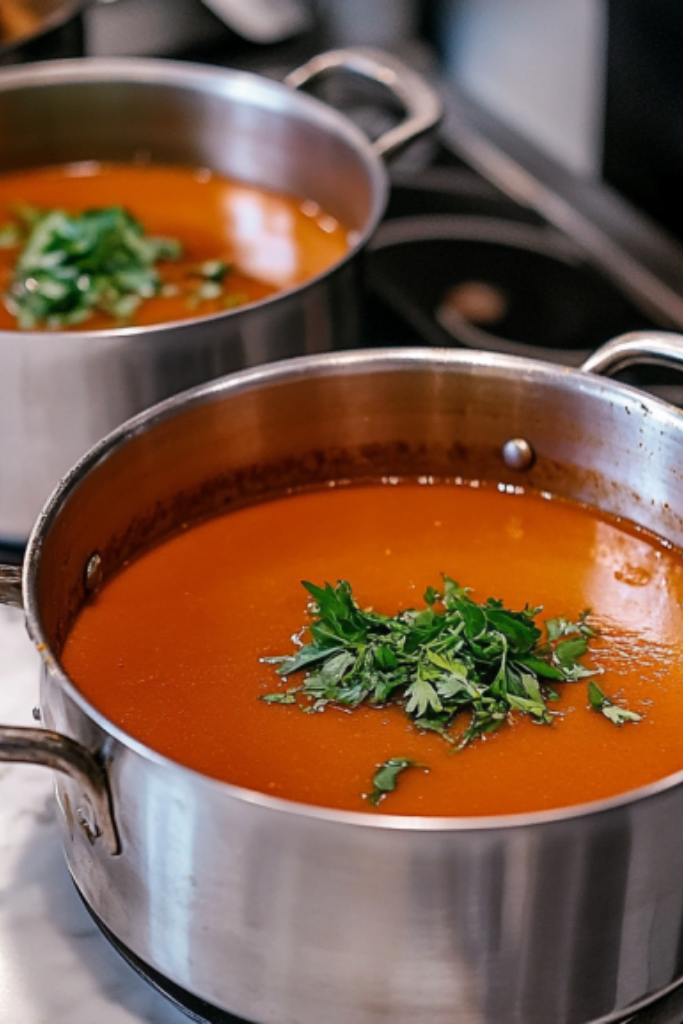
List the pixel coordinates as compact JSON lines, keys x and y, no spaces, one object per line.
{"x":55,"y":966}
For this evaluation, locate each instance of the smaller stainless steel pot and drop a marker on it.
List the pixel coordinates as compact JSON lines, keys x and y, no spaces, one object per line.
{"x":279,"y":912}
{"x":60,"y":392}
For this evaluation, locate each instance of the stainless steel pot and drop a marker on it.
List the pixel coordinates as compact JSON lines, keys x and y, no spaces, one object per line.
{"x":280,"y":912}
{"x":60,"y":392}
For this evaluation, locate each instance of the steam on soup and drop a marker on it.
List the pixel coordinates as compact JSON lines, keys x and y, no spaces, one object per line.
{"x":171,"y":650}
{"x":103,"y":245}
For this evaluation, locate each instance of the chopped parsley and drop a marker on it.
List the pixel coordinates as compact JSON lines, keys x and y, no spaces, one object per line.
{"x":73,"y":265}
{"x":456,"y":668}
{"x":615,"y":712}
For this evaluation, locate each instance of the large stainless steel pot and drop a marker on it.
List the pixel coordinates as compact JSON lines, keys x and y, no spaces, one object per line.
{"x":285,"y":913}
{"x":61,"y":392}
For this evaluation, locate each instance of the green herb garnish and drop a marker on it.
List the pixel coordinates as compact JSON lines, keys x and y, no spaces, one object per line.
{"x":453,"y":656}
{"x":10,"y":236}
{"x":615,"y":712}
{"x":455,"y":660}
{"x":214,"y":270}
{"x":385,"y":778}
{"x":70,"y":266}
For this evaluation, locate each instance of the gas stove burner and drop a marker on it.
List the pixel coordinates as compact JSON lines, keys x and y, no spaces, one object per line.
{"x":498,"y":285}
{"x":192,"y":1006}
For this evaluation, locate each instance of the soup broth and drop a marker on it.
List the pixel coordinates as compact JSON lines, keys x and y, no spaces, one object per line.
{"x":272,"y":242}
{"x":170,"y":649}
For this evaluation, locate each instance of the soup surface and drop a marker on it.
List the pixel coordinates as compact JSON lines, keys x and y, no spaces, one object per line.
{"x":270,"y":241}
{"x":169,"y":649}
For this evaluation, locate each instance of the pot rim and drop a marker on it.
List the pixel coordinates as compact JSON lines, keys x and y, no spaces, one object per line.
{"x":231,"y":84}
{"x":290,"y":371}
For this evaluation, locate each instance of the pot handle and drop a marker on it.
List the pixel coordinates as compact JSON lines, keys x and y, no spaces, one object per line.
{"x":52,"y":750}
{"x":421,"y":102}
{"x":660,"y":348}
{"x":10,"y":586}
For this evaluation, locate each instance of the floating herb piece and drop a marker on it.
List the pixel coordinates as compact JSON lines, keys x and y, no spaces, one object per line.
{"x":214,"y":270}
{"x":615,"y":712}
{"x":10,"y":236}
{"x":385,"y":778}
{"x":288,"y":697}
{"x":209,"y":283}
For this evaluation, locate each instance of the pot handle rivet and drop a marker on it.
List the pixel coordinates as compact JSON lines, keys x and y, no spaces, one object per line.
{"x":93,"y":573}
{"x":85,"y":816}
{"x":518,"y":454}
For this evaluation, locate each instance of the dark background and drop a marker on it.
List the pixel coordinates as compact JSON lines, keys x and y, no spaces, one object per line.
{"x":643,"y":134}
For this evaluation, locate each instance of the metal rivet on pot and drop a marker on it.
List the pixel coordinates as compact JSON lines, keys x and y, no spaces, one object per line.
{"x":93,"y":573}
{"x":518,"y":453}
{"x":86,"y":819}
{"x":37,"y":716}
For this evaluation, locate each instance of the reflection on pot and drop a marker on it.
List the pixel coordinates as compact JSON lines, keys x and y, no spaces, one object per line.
{"x":33,"y":30}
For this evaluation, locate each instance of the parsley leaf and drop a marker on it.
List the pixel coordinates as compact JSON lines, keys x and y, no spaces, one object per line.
{"x":385,"y":778}
{"x":614,"y":712}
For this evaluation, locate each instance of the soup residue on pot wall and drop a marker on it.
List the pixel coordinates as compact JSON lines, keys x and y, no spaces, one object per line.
{"x":270,"y":241}
{"x":170,"y":649}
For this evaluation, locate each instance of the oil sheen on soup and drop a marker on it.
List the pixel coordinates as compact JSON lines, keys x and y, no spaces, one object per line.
{"x":170,"y":650}
{"x":269,"y":241}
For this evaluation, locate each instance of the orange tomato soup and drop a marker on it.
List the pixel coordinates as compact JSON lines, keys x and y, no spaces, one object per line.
{"x":271,"y":241}
{"x":169,"y":649}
